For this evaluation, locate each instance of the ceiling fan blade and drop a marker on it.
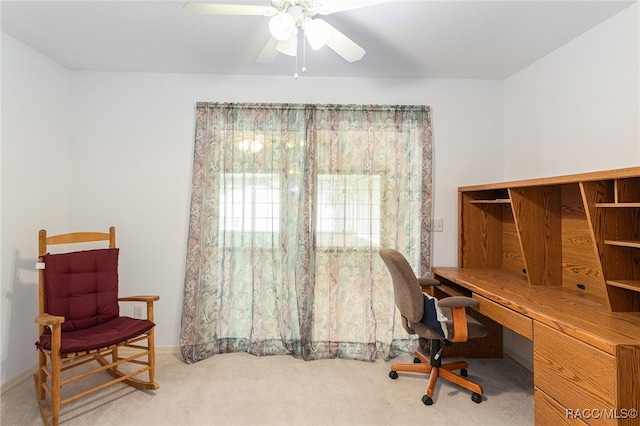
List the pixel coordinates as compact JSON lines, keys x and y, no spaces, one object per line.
{"x":229,"y":9}
{"x":332,"y":6}
{"x":269,"y":52}
{"x":289,"y":46}
{"x":343,"y":45}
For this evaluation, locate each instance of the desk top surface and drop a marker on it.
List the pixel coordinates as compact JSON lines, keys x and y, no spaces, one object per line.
{"x":566,"y":310}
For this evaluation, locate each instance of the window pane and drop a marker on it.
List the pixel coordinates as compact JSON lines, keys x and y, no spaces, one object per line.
{"x":348,"y":210}
{"x":249,"y":209}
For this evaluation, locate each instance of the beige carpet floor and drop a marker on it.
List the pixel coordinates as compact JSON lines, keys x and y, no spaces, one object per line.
{"x":241,"y":389}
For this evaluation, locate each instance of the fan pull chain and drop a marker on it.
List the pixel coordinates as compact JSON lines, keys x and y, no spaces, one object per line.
{"x":304,"y":54}
{"x":296,"y":70}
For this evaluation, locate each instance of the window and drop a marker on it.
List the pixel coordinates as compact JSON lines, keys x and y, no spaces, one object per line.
{"x":348,"y":210}
{"x":249,"y":209}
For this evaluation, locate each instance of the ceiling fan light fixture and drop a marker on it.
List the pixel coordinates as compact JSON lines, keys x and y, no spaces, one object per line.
{"x":289,"y":46}
{"x":286,"y":16}
{"x":317,"y":33}
{"x":282,"y":26}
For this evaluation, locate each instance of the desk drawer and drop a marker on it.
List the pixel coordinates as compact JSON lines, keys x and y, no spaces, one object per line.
{"x":575,"y":374}
{"x":514,"y":321}
{"x":549,"y":412}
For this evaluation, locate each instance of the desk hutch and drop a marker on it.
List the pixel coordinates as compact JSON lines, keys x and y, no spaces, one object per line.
{"x":557,"y":260}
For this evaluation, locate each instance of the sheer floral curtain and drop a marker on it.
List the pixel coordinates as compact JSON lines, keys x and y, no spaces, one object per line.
{"x":289,"y":206}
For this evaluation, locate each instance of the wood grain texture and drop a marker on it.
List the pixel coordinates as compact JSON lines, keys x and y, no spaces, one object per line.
{"x":512,"y":257}
{"x":633,"y":285}
{"x":580,"y":259}
{"x":628,"y":190}
{"x":628,"y":380}
{"x":563,"y":309}
{"x":547,"y":411}
{"x":514,"y":321}
{"x":537,"y":216}
{"x":560,"y":232}
{"x":573,"y":373}
{"x":626,"y":173}
{"x":482,"y":236}
{"x":569,"y":249}
{"x":621,"y":254}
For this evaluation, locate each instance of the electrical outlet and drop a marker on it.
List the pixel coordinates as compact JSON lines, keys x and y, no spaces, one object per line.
{"x":138,"y":312}
{"x":436,"y":225}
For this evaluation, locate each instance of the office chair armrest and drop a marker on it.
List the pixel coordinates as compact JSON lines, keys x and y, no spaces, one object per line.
{"x":426,"y":281}
{"x":458,"y":305}
{"x":457,"y":302}
{"x":48,"y":320}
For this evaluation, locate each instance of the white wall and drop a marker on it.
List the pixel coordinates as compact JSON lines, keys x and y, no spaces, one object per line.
{"x":35,"y":187}
{"x":133,"y":146}
{"x":576,"y":109}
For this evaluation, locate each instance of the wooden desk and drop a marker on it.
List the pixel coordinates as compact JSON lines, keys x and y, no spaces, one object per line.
{"x":557,"y":260}
{"x":585,"y":357}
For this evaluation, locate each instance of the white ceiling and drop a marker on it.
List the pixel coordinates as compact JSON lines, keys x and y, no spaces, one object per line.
{"x":479,"y":39}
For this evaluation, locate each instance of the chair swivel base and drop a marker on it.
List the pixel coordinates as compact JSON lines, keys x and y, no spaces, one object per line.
{"x":423,"y":365}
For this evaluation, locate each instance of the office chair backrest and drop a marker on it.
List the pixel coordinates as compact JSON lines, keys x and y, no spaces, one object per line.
{"x":407,"y":290}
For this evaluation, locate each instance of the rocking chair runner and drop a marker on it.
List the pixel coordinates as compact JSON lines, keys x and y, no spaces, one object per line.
{"x":79,"y":321}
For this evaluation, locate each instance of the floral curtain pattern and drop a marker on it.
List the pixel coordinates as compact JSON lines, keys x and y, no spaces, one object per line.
{"x":289,"y":206}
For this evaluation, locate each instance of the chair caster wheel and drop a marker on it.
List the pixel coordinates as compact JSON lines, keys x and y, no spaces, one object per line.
{"x":476,"y":397}
{"x":426,"y":400}
{"x":463,"y":372}
{"x":416,"y":361}
{"x":393,"y":374}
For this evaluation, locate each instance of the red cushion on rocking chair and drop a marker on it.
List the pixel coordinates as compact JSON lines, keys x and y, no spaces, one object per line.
{"x":82,"y":287}
{"x":101,"y":336}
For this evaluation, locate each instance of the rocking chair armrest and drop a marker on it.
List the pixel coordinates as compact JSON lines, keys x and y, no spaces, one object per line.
{"x":47,"y":319}
{"x":145,"y":299}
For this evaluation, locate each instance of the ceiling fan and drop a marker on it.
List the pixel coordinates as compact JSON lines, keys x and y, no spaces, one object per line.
{"x":288,"y":16}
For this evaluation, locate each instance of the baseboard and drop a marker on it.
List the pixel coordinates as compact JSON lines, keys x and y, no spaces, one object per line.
{"x":17,"y":379}
{"x":168,"y":350}
{"x":162,"y":350}
{"x":29,"y":372}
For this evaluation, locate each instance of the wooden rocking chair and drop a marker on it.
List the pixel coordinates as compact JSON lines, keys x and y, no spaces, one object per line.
{"x":79,"y":321}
